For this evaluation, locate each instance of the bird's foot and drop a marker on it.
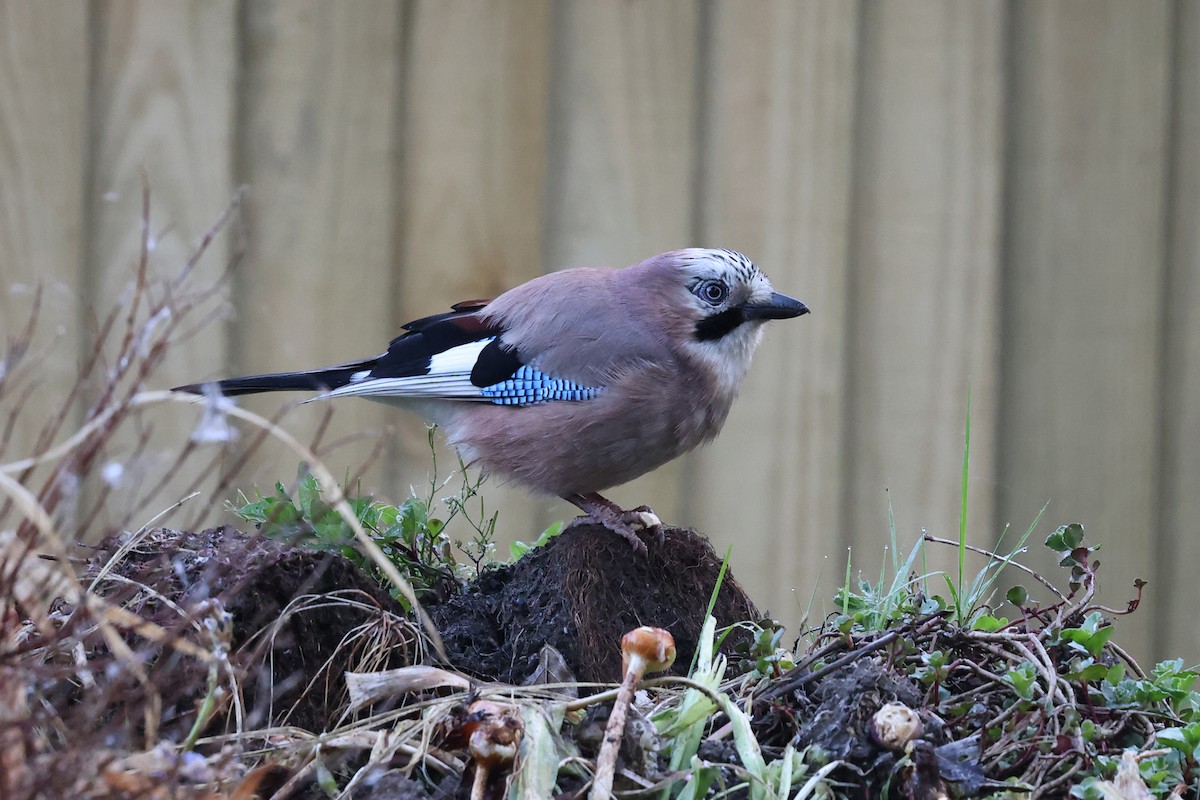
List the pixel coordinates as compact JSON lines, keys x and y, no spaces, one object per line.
{"x":615,"y":524}
{"x":649,"y":522}
{"x":625,"y":524}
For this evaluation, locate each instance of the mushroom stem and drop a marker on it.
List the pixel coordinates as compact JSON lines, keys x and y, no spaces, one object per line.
{"x":480,"y":783}
{"x":643,"y":650}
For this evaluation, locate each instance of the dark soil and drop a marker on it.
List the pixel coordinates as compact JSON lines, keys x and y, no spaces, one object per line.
{"x":395,"y":785}
{"x":579,"y":594}
{"x":254,"y":580}
{"x":836,"y":715}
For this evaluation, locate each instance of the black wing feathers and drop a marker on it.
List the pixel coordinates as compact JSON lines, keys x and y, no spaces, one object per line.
{"x":495,"y":363}
{"x":460,"y":310}
{"x":409,"y":355}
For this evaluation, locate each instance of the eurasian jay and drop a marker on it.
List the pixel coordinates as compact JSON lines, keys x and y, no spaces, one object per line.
{"x":577,"y":380}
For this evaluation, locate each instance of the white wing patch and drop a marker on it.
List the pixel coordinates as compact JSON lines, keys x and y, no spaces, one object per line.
{"x":449,"y":376}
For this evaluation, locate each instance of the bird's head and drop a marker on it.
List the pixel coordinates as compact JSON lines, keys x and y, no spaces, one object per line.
{"x":722,"y":300}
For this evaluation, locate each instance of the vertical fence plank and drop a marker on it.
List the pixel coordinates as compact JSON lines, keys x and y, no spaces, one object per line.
{"x":317,"y":147}
{"x":163,"y":101}
{"x":529,"y":136}
{"x":1084,"y":272}
{"x":43,"y":116}
{"x":471,"y":190}
{"x":776,"y":184}
{"x":924,"y":273}
{"x":1177,"y":629}
{"x":622,"y":152}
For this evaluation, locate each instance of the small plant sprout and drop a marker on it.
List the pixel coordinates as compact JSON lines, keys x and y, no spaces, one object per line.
{"x":643,"y":650}
{"x":496,"y":731}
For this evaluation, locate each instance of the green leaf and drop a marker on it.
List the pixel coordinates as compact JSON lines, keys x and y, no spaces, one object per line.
{"x":989,"y":624}
{"x":517,"y":549}
{"x":699,"y":781}
{"x":309,"y":494}
{"x":1018,"y":596}
{"x":747,"y":747}
{"x":1088,"y":672}
{"x":1089,"y":638}
{"x":1175,"y":738}
{"x":1065,"y":538}
{"x":541,"y":751}
{"x":1022,"y":679}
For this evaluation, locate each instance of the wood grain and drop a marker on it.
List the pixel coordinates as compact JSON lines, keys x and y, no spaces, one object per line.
{"x":623,"y":148}
{"x":1000,"y":195}
{"x":163,"y":100}
{"x":923,"y":300}
{"x":471,"y":197}
{"x":1084,"y":280}
{"x":776,"y":185}
{"x":1177,"y":629}
{"x":43,"y":120}
{"x":317,"y":145}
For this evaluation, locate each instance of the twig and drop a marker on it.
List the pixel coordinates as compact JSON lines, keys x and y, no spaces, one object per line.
{"x":1009,"y":562}
{"x":787,"y":684}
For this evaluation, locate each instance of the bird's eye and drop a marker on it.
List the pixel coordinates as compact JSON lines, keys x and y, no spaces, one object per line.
{"x":713,"y":292}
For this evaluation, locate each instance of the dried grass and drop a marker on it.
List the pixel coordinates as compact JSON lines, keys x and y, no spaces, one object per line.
{"x":80,"y":667}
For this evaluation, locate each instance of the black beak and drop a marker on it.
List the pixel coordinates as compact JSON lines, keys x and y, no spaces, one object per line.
{"x":780,"y":306}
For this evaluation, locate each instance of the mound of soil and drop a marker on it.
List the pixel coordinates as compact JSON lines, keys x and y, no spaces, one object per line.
{"x":579,"y":594}
{"x":254,"y":580}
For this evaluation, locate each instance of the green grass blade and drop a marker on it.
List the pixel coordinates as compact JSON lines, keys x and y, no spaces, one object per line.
{"x":712,"y":600}
{"x":892,"y":536}
{"x":846,"y":590}
{"x":962,"y":515}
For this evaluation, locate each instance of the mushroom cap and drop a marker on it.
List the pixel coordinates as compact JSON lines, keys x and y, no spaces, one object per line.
{"x":654,"y":646}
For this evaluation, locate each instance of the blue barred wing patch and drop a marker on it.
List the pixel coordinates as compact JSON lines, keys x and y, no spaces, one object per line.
{"x":528,"y":386}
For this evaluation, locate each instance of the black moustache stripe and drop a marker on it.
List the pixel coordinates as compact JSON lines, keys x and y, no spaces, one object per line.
{"x":720,"y":324}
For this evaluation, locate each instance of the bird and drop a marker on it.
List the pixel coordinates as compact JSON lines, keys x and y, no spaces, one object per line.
{"x":575,"y":381}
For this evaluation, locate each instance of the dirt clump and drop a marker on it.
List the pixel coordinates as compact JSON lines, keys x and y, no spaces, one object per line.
{"x":579,"y":594}
{"x":278,"y":643}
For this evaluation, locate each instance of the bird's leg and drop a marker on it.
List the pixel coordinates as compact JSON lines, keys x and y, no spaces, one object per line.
{"x":604,"y":511}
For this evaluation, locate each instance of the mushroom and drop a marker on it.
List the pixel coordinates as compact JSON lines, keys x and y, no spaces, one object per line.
{"x":895,"y":725}
{"x":494,"y":739}
{"x":643,"y":650}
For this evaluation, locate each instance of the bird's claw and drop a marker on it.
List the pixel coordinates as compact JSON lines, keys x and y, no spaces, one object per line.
{"x":642,"y":517}
{"x":625,"y":524}
{"x":614,"y":523}
{"x":627,"y":533}
{"x":645,"y":518}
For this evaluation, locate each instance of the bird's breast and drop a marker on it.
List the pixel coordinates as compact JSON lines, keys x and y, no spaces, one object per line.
{"x":640,"y":422}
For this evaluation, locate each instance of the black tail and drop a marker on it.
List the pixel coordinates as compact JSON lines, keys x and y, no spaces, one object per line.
{"x":314,"y":380}
{"x":408,"y":354}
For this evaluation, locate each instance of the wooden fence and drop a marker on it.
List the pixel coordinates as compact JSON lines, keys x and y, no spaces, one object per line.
{"x":995,"y":196}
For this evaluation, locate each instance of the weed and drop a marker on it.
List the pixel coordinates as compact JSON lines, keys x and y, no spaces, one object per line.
{"x":412,"y":536}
